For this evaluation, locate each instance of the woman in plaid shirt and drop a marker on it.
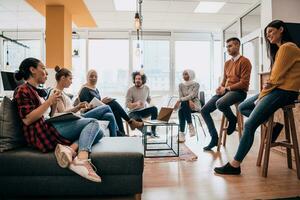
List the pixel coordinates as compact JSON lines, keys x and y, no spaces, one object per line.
{"x":72,"y":140}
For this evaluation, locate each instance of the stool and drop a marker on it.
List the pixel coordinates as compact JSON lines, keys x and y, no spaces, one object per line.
{"x":224,"y":126}
{"x":290,"y":132}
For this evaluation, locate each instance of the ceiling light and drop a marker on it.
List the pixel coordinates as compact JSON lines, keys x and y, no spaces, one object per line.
{"x":125,"y":5}
{"x":209,"y":7}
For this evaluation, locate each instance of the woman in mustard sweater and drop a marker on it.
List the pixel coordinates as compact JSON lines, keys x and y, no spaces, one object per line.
{"x":281,"y":89}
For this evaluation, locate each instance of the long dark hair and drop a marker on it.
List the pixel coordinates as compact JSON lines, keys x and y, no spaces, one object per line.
{"x":273,"y":48}
{"x":24,"y":68}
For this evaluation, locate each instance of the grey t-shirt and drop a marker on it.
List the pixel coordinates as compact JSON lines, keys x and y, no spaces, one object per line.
{"x":135,"y":94}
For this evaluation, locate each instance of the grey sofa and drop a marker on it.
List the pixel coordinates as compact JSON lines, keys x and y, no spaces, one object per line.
{"x":119,"y":160}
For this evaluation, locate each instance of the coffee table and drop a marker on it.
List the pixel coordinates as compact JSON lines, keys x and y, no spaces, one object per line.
{"x":166,"y":145}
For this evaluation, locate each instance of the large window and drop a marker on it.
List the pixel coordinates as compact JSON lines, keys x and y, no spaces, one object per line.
{"x":251,"y":21}
{"x":156,"y":61}
{"x":110,"y":58}
{"x":218,"y":65}
{"x":78,"y":64}
{"x":14,"y":54}
{"x":231,"y":31}
{"x":251,"y":51}
{"x":193,"y":55}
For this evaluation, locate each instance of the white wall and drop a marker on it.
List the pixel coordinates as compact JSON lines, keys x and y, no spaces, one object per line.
{"x":287,"y":10}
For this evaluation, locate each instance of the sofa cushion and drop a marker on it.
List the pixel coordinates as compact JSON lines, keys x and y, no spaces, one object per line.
{"x":111,"y":156}
{"x":10,"y":126}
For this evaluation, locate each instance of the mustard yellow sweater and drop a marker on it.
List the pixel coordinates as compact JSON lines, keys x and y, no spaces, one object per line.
{"x":285,"y":73}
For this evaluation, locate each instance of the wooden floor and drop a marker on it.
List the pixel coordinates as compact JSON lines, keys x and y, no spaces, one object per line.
{"x":196,"y":180}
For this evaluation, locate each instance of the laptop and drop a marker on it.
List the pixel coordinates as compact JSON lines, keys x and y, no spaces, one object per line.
{"x":164,"y":116}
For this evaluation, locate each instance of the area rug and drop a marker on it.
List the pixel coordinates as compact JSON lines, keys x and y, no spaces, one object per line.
{"x":185,"y":154}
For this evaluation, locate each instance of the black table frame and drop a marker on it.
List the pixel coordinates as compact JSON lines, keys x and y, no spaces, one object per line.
{"x":171,"y":126}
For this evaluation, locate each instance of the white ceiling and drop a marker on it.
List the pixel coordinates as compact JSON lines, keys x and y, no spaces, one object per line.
{"x":157,"y":15}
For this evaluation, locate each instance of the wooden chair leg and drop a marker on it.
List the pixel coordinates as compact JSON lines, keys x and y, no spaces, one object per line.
{"x":261,"y":147}
{"x":240,"y":124}
{"x":295,"y":142}
{"x":288,"y":138}
{"x":221,"y":133}
{"x":225,"y":132}
{"x":268,"y":147}
{"x":138,"y":196}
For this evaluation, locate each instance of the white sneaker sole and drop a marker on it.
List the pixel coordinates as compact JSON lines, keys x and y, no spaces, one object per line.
{"x":61,"y":158}
{"x":86,"y":177}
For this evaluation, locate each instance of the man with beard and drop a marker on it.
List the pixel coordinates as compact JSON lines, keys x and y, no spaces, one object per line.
{"x":138,"y":98}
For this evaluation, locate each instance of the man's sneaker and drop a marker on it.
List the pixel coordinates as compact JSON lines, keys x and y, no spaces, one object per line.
{"x":85,"y":169}
{"x":228,"y":170}
{"x":64,"y":155}
{"x":181,"y":137}
{"x":192,"y":130}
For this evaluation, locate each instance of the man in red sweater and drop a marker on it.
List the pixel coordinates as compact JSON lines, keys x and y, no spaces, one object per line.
{"x":233,"y":89}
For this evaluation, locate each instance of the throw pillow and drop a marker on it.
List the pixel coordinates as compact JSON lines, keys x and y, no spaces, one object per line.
{"x":11,"y":135}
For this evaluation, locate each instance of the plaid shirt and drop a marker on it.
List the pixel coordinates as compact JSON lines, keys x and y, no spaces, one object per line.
{"x":38,"y":134}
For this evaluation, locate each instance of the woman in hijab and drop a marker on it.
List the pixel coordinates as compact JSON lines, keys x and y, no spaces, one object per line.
{"x":89,"y":91}
{"x":187,"y":103}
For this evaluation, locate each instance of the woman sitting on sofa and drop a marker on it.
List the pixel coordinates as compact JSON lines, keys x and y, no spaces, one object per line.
{"x":89,"y":91}
{"x":72,"y":139}
{"x":63,"y":78}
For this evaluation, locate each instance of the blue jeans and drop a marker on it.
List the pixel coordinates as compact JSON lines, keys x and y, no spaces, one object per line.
{"x":184,"y":114}
{"x":85,"y":132}
{"x":223,"y":103}
{"x":248,"y":105}
{"x":261,"y":112}
{"x":146,"y":112}
{"x":104,"y":113}
{"x":119,"y":113}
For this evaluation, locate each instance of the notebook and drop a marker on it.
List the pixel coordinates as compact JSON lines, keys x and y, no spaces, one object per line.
{"x":164,"y":116}
{"x":63,"y":117}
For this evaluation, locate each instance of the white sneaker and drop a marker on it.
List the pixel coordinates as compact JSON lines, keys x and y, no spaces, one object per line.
{"x":85,"y":169}
{"x":192,"y":130}
{"x":64,"y":155}
{"x":181,"y":137}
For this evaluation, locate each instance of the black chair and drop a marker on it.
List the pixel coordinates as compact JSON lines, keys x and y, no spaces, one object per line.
{"x":197,"y":115}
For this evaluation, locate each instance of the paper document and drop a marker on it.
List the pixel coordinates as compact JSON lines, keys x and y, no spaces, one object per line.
{"x":96,"y":102}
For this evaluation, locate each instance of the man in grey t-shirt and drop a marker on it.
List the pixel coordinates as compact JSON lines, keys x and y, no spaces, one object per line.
{"x":137,"y":99}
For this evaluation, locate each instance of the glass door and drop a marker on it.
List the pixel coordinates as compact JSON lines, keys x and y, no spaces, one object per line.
{"x":252,"y":49}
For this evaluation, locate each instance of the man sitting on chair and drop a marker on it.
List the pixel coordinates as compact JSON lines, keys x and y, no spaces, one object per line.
{"x":233,"y":89}
{"x":137,"y":98}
